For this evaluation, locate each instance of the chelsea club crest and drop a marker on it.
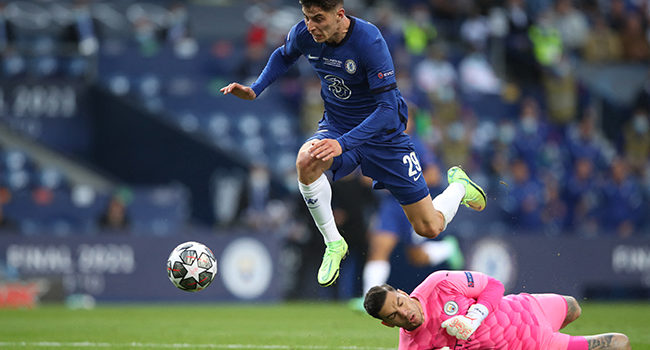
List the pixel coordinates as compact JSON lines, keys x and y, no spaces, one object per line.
{"x":350,"y":66}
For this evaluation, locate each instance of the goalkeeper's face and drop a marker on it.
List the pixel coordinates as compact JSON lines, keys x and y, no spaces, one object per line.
{"x":402,"y":311}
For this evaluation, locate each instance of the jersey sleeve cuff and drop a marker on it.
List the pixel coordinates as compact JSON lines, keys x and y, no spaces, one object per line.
{"x":257,"y":89}
{"x":379,"y":90}
{"x":343,"y":144}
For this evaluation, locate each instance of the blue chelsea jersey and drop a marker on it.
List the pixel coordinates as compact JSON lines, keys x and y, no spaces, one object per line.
{"x":353,"y":74}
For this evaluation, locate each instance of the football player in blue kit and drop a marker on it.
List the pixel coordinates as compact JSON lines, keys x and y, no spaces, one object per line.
{"x":363,"y":125}
{"x":391,"y":227}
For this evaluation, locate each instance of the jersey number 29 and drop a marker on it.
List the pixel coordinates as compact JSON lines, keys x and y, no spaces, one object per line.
{"x":413,"y":163}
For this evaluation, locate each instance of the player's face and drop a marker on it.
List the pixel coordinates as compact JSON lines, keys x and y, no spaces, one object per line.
{"x":323,"y":26}
{"x":400,"y":310}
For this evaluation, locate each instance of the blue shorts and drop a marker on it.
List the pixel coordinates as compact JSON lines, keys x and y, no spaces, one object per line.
{"x":391,"y":218}
{"x":392,"y":165}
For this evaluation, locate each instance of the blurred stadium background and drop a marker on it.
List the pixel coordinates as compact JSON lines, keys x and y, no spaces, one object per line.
{"x":116,"y":145}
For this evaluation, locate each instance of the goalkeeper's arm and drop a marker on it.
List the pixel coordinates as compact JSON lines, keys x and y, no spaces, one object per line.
{"x":488,"y":292}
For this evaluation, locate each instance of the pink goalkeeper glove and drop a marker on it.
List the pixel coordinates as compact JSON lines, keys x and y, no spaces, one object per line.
{"x":462,"y":327}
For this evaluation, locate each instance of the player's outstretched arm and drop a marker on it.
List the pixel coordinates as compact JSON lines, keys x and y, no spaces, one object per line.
{"x":239,"y":90}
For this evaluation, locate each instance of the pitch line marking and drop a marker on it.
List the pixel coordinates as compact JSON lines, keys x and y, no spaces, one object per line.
{"x":179,"y":345}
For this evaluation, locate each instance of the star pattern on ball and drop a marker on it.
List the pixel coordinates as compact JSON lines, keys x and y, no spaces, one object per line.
{"x":193,"y":270}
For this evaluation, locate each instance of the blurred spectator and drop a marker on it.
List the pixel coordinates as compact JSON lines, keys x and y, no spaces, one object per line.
{"x":616,"y":17}
{"x":419,"y":30}
{"x":621,"y":205}
{"x":518,"y":20}
{"x":115,"y":217}
{"x":390,"y":25}
{"x":551,"y":52}
{"x":580,"y":193}
{"x":572,"y":25}
{"x":603,"y":45}
{"x":561,"y":94}
{"x":253,"y":62}
{"x":636,"y":47}
{"x":275,"y":19}
{"x":547,"y":42}
{"x":178,"y":32}
{"x":178,"y":24}
{"x":583,"y":139}
{"x":7,"y":35}
{"x":475,"y":30}
{"x":147,"y":35}
{"x":532,"y":133}
{"x":636,"y":141}
{"x":477,"y":75}
{"x":81,"y":34}
{"x":555,"y":211}
{"x":521,"y":66}
{"x":259,"y":182}
{"x":500,"y":151}
{"x":456,"y":144}
{"x":523,"y":204}
{"x":557,"y":76}
{"x":447,"y":15}
{"x":409,"y":89}
{"x":438,"y":78}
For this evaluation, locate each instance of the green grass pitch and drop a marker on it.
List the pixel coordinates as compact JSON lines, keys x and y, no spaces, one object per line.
{"x":293,"y":325}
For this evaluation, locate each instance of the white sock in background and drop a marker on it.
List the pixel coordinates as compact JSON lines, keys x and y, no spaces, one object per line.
{"x":438,"y":251}
{"x":448,"y":201}
{"x":375,"y":273}
{"x":318,"y":198}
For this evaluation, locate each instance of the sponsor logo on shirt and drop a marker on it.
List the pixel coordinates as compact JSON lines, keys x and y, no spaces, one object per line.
{"x":332,"y":62}
{"x":337,"y":86}
{"x":350,"y":66}
{"x":450,"y":308}
{"x":382,"y":75}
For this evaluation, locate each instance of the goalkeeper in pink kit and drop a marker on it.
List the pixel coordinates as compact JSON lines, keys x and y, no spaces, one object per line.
{"x":454,"y":310}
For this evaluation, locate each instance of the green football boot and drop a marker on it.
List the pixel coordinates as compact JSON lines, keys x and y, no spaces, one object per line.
{"x":474,"y":195}
{"x":329,"y":268}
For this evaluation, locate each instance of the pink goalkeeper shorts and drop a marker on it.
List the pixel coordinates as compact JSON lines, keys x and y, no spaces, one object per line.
{"x":553,"y":307}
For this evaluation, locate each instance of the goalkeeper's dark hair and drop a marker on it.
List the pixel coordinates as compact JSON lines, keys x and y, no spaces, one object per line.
{"x":375,"y":299}
{"x":325,"y":5}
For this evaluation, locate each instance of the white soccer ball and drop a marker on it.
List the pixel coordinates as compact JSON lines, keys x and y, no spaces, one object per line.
{"x":191,"y":266}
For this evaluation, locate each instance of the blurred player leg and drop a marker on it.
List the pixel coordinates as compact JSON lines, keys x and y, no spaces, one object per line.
{"x":433,"y":253}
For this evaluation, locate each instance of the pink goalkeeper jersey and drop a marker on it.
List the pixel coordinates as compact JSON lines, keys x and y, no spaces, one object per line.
{"x":514,"y":322}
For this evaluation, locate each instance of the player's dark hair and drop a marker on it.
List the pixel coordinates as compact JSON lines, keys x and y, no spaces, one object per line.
{"x":325,"y":5}
{"x":375,"y":299}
